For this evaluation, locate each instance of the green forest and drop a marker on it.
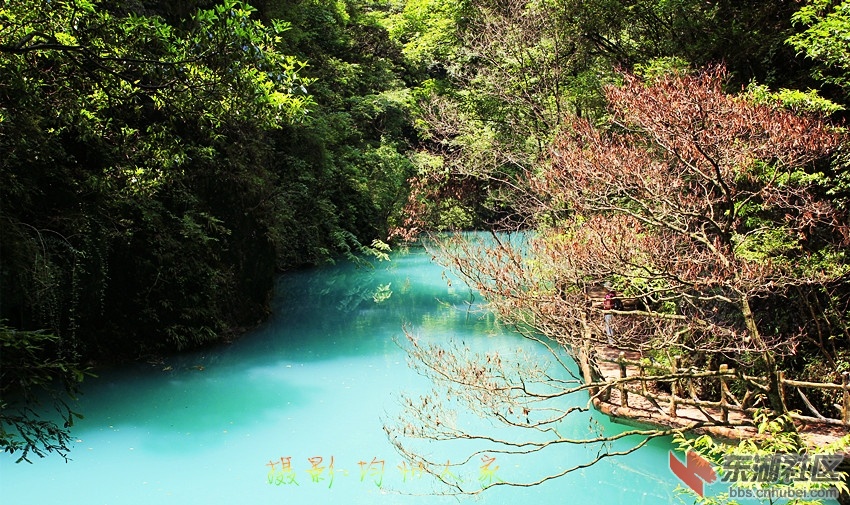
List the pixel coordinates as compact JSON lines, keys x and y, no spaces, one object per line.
{"x":161,"y":162}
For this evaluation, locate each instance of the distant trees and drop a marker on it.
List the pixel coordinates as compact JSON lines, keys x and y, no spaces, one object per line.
{"x":351,"y":152}
{"x":509,"y":71}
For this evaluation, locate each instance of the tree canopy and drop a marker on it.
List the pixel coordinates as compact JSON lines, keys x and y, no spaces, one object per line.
{"x":163,"y":160}
{"x":706,"y":210}
{"x":629,"y":150}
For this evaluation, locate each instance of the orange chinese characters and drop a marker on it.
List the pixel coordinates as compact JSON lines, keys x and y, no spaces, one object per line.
{"x":285,"y":475}
{"x":374,"y":469}
{"x":316,"y":470}
{"x":447,"y":476}
{"x":410,"y":470}
{"x":487,"y":473}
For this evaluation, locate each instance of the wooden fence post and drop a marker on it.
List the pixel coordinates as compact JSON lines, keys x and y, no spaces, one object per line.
{"x":584,"y":361}
{"x":674,"y":387}
{"x":780,"y":383}
{"x":624,"y":394}
{"x":724,"y":391}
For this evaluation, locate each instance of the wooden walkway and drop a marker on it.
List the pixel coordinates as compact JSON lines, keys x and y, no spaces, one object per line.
{"x":626,"y":398}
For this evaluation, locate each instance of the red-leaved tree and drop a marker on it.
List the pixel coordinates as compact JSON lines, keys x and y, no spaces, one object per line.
{"x":705,"y":212}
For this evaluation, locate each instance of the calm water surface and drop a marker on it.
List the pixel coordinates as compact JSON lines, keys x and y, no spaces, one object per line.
{"x":317,"y":381}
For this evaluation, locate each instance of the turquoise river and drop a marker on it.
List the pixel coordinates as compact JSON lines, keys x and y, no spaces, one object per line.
{"x":314,"y":387}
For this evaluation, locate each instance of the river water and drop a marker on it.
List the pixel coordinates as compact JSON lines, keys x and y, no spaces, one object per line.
{"x":312,"y":387}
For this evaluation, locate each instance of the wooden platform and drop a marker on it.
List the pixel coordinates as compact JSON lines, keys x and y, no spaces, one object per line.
{"x":643,"y":411}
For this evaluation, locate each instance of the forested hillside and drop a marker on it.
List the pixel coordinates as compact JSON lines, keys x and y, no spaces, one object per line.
{"x":504,"y":75}
{"x":689,"y":159}
{"x":161,"y":161}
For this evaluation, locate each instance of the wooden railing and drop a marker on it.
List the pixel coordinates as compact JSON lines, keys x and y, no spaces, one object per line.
{"x":684,"y":391}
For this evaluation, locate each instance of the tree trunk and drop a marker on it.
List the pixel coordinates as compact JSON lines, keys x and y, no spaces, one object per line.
{"x":774,"y":394}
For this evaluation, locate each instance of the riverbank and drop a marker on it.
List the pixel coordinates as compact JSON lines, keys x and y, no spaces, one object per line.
{"x":625,"y":403}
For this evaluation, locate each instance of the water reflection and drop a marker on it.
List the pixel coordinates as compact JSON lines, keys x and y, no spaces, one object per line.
{"x":316,"y":381}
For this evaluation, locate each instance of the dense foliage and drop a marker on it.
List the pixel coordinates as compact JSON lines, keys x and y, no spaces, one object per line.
{"x":162,"y":160}
{"x":530,"y":86}
{"x":513,"y":70}
{"x":689,"y":156}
